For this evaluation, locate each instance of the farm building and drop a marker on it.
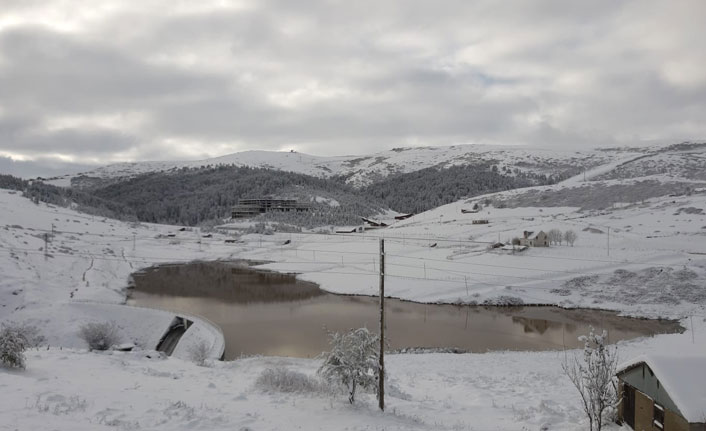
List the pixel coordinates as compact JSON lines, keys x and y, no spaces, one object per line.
{"x":663,"y":393}
{"x":254,"y":207}
{"x":530,"y":240}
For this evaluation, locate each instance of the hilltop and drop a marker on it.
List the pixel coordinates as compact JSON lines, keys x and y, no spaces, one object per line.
{"x":363,"y":170}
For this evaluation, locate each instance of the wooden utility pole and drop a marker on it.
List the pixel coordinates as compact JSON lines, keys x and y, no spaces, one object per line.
{"x":381,"y":371}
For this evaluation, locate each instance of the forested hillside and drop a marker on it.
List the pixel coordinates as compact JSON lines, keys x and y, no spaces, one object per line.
{"x":432,"y":187}
{"x":82,"y":201}
{"x":192,"y":195}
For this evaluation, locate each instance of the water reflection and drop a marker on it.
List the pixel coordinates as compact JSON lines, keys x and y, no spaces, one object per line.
{"x":226,"y":281}
{"x":275,"y":314}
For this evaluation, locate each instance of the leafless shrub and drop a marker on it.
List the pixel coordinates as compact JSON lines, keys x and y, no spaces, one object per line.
{"x":281,"y":379}
{"x":581,"y":282}
{"x":100,"y":336}
{"x":198,"y":353}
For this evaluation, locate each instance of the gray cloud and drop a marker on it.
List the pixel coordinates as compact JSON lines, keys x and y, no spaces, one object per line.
{"x":131,"y":82}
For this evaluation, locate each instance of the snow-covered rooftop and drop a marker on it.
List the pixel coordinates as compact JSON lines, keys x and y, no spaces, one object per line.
{"x":684,"y":379}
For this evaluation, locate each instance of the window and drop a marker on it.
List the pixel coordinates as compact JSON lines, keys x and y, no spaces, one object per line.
{"x":658,"y":416}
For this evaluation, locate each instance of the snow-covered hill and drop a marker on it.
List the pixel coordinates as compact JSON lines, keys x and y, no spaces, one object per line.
{"x":364,"y":170}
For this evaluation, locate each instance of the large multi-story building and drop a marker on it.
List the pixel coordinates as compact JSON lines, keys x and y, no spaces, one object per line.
{"x":253,"y":207}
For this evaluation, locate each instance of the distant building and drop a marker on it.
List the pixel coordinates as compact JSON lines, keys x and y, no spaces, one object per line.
{"x":374,"y":223}
{"x":663,"y":392}
{"x":481,"y":221}
{"x":253,"y":207}
{"x":403,"y":216}
{"x":351,"y":229}
{"x":530,"y":240}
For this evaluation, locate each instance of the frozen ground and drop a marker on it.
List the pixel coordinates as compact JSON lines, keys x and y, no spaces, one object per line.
{"x":652,"y":264}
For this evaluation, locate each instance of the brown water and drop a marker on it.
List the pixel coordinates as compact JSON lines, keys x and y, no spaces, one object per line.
{"x":275,"y":314}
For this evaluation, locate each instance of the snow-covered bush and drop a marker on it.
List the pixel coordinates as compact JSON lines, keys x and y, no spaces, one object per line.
{"x":14,"y":340}
{"x":352,"y":361}
{"x":594,"y":377}
{"x":100,"y":336}
{"x":198,"y":353}
{"x":283,"y":380}
{"x":504,"y":301}
{"x":261,"y":228}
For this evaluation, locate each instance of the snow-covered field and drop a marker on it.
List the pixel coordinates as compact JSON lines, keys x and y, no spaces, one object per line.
{"x":76,"y":390}
{"x":651,"y":264}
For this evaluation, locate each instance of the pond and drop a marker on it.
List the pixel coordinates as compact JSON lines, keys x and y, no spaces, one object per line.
{"x":275,"y":314}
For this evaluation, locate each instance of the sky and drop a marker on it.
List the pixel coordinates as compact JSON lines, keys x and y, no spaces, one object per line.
{"x":101,"y":81}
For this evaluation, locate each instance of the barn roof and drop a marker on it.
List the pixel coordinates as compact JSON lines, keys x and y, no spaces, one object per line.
{"x":684,"y":379}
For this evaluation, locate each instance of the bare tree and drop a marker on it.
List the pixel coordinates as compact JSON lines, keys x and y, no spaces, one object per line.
{"x":570,"y":237}
{"x":353,"y":360}
{"x":554,"y":236}
{"x":594,"y":377}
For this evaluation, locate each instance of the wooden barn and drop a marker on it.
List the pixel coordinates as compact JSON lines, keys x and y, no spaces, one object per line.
{"x":663,"y":393}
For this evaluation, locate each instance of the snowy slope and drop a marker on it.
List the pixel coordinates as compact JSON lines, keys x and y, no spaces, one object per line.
{"x":83,"y":273}
{"x":515,"y":391}
{"x":363,"y":170}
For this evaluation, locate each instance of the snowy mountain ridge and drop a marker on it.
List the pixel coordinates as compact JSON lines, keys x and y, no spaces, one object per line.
{"x":364,"y":170}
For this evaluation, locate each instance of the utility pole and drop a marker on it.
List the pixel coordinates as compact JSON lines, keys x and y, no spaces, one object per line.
{"x":381,"y":366}
{"x":134,"y":235}
{"x":608,"y":240}
{"x":46,"y":246}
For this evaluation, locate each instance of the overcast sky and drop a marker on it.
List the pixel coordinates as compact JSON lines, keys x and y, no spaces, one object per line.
{"x":94,"y":82}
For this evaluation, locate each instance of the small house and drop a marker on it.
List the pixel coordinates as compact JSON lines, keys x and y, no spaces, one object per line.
{"x":529,"y":239}
{"x":663,"y":393}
